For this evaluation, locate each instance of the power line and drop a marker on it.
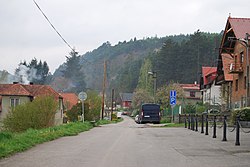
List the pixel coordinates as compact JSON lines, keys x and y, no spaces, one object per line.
{"x":53,"y":26}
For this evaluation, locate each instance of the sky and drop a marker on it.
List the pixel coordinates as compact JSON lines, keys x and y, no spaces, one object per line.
{"x":86,"y":24}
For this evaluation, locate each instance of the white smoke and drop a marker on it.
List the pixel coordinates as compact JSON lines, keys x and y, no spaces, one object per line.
{"x":26,"y":74}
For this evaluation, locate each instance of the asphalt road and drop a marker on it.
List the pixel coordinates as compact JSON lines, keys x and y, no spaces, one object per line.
{"x":128,"y":144}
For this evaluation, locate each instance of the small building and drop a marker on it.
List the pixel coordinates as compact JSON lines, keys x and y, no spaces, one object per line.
{"x":192,"y":93}
{"x":14,"y":94}
{"x":211,"y":93}
{"x":126,"y":99}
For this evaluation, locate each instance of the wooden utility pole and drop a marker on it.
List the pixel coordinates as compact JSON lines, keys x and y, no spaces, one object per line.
{"x":112,"y":102}
{"x":104,"y":87}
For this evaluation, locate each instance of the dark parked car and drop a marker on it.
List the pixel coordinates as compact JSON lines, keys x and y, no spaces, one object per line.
{"x":150,"y":113}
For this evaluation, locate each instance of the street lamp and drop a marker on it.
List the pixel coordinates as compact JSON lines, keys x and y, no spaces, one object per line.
{"x":153,"y":73}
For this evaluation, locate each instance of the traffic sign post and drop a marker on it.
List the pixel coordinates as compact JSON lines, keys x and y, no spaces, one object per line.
{"x":172,"y":100}
{"x":82,"y":96}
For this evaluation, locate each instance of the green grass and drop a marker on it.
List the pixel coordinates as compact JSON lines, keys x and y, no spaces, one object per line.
{"x":11,"y":143}
{"x":174,"y":125}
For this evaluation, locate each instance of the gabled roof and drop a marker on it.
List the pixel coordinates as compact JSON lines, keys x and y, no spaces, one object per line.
{"x":190,"y":86}
{"x":70,"y":98}
{"x":126,"y":96}
{"x":240,"y":26}
{"x":27,"y":90}
{"x":209,"y":74}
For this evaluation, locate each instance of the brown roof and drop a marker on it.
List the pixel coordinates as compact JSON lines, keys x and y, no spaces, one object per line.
{"x":209,"y":74}
{"x":27,"y":90}
{"x":227,"y":60}
{"x":240,"y":26}
{"x":70,"y":98}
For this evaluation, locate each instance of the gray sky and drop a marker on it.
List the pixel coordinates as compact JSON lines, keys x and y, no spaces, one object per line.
{"x":86,"y":24}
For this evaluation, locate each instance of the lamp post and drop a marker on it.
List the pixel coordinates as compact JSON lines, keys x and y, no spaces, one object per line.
{"x":153,"y":73}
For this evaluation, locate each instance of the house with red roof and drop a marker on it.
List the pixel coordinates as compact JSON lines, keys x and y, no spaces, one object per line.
{"x":14,"y":94}
{"x":69,"y":100}
{"x":192,"y":93}
{"x":233,"y":63}
{"x":209,"y":90}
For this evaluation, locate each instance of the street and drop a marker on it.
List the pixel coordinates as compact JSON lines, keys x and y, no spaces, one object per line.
{"x":128,"y":144}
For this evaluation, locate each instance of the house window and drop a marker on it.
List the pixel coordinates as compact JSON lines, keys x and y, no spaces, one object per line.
{"x":14,"y":102}
{"x":236,"y":84}
{"x":245,"y":82}
{"x":192,"y":94}
{"x":241,"y":57}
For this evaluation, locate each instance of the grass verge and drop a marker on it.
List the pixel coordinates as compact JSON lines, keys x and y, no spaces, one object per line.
{"x":11,"y":143}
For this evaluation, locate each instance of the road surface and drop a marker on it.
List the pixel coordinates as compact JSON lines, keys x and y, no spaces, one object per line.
{"x":128,"y":144}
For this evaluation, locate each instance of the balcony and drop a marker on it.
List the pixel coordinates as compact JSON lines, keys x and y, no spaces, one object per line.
{"x":235,"y":68}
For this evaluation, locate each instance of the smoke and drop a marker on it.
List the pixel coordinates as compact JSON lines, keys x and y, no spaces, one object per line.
{"x":26,"y":74}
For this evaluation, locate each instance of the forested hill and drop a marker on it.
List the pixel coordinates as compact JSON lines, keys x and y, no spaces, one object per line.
{"x":176,"y":58}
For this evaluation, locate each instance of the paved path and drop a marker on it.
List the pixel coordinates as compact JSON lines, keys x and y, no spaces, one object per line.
{"x":128,"y":144}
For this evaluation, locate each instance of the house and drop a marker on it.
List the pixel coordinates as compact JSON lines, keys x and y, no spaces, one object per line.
{"x":209,"y":90}
{"x":69,"y":100}
{"x":126,"y":99}
{"x":14,"y":94}
{"x":192,"y":93}
{"x":235,"y":44}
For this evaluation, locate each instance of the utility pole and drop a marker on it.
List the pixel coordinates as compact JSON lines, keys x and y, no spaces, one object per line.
{"x":112,"y":102}
{"x":103,"y":87}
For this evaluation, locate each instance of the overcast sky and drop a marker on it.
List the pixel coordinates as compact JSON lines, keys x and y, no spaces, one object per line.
{"x":86,"y":24}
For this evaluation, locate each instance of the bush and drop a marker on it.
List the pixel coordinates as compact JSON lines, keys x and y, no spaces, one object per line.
{"x":37,"y":114}
{"x":244,"y":114}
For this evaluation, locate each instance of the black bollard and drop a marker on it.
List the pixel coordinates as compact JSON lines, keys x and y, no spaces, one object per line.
{"x":192,"y":122}
{"x":196,"y":122}
{"x":185,"y":121}
{"x":206,"y":125}
{"x":202,"y":123}
{"x":225,"y":128}
{"x":189,"y":120}
{"x":237,"y":142}
{"x":214,"y":134}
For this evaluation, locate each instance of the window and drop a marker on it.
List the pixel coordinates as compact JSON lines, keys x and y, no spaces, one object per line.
{"x":236,"y":84}
{"x":241,"y":57}
{"x":245,"y":82}
{"x":14,"y":102}
{"x":192,"y":94}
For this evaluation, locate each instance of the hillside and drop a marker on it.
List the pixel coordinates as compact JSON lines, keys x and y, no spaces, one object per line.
{"x":176,"y":58}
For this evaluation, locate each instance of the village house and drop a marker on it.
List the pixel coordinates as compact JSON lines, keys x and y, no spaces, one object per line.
{"x":69,"y":100}
{"x":209,"y":90}
{"x":14,"y":94}
{"x":192,"y":93}
{"x":234,"y":60}
{"x":126,"y":99}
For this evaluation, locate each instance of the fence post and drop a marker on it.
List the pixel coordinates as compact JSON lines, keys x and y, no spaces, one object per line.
{"x":189,"y":120}
{"x":237,"y":142}
{"x":225,"y":128}
{"x":214,"y":134}
{"x":192,"y":122}
{"x":185,"y":121}
{"x":196,"y":122}
{"x":179,"y":118}
{"x":202,"y":123}
{"x":206,"y":124}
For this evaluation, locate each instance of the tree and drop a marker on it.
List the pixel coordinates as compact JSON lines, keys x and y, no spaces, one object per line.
{"x":73,"y":72}
{"x":141,"y":96}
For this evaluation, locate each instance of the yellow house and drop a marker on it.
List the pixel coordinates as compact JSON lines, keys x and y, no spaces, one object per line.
{"x":14,"y":94}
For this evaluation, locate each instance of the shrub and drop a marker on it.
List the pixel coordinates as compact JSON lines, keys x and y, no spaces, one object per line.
{"x":244,"y":114}
{"x":37,"y":114}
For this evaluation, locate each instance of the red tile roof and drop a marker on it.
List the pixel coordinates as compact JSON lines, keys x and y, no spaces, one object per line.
{"x":227,"y":60}
{"x":27,"y":90}
{"x":209,"y":74}
{"x":190,"y":86}
{"x":69,"y":99}
{"x":240,"y":26}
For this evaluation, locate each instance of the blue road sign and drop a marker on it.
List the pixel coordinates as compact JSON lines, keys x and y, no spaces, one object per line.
{"x":173,"y":97}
